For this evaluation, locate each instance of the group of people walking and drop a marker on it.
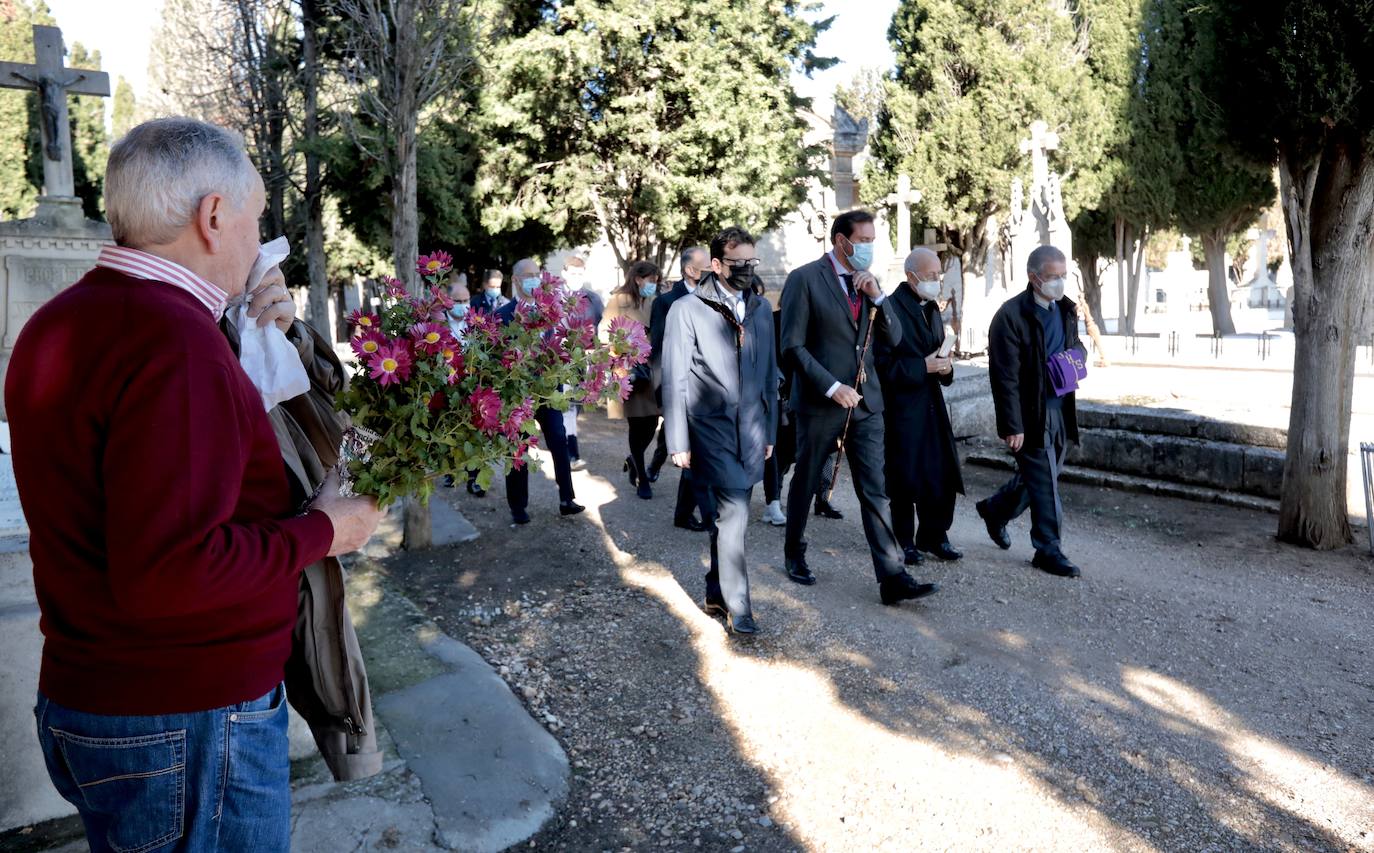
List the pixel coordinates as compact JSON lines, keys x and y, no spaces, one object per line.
{"x":840,"y":372}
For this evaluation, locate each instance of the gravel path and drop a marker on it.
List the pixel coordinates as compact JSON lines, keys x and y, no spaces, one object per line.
{"x":1200,"y":688}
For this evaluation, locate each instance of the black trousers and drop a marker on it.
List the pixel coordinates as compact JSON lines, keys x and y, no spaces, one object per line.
{"x":817,"y":433}
{"x":1036,"y":485}
{"x":933,"y":508}
{"x":727,"y":510}
{"x":687,"y":501}
{"x":556,"y":442}
{"x":641,"y":436}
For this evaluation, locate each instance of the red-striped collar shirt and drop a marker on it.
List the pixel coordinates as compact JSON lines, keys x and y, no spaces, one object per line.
{"x":142,"y":265}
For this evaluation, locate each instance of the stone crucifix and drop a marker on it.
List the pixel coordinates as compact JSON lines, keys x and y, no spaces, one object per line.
{"x":54,"y":82}
{"x":903,"y":198}
{"x":1041,"y":142}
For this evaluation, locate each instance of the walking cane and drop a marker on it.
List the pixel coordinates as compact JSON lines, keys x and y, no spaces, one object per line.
{"x":863,"y":374}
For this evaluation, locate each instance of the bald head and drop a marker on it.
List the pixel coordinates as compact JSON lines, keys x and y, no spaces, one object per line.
{"x":923,"y":262}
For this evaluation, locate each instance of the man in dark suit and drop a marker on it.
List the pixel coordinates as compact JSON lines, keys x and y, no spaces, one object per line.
{"x":922,"y":463}
{"x":1036,"y":423}
{"x":695,"y":263}
{"x":526,"y":279}
{"x":720,"y":381}
{"x":826,"y":308}
{"x":490,"y":299}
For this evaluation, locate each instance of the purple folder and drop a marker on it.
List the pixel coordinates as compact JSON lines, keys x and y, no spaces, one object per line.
{"x":1067,"y":369}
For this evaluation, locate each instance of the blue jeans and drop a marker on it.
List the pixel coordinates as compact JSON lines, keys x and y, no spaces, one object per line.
{"x":216,"y":780}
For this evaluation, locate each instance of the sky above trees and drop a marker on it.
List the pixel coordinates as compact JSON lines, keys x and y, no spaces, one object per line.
{"x":123,"y":31}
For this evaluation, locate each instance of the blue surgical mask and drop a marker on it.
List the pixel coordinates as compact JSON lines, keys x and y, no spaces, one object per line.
{"x":493,"y":292}
{"x":648,"y":289}
{"x":529,"y":285}
{"x":862,"y":258}
{"x":458,"y":310}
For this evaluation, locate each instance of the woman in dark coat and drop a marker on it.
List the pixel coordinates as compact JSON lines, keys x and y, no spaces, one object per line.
{"x":922,"y":465}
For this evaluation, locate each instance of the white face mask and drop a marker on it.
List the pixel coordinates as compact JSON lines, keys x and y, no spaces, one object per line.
{"x":1052,"y":289}
{"x":928,"y":290}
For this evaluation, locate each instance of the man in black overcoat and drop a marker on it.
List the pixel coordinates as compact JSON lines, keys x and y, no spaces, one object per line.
{"x":695,"y":263}
{"x":922,"y":461}
{"x":826,"y":308}
{"x":1035,"y":423}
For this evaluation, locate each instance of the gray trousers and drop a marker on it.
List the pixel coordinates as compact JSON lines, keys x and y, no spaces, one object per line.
{"x":728,"y":515}
{"x":1036,"y":485}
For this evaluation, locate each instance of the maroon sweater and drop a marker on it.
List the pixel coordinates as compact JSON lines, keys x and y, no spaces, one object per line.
{"x":165,"y":555}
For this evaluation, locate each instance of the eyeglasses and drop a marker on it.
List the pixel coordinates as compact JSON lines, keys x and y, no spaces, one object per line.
{"x":751,"y":264}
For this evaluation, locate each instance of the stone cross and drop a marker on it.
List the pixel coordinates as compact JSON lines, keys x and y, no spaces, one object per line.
{"x":54,"y":82}
{"x":1041,"y":142}
{"x":903,"y":198}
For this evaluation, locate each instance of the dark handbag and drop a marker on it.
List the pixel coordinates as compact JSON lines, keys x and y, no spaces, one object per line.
{"x":640,"y":374}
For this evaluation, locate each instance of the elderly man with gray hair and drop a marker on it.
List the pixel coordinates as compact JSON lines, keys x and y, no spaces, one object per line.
{"x":167,"y":549}
{"x":1032,"y":337}
{"x":921,"y":460}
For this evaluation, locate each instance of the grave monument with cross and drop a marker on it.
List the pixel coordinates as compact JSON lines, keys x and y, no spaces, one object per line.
{"x":45,"y":253}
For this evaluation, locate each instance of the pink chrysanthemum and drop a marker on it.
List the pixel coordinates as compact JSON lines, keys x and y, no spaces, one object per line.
{"x":430,"y":338}
{"x":394,"y":288}
{"x":360,"y":319}
{"x":391,"y":364}
{"x":436,"y":263}
{"x":486,"y":409}
{"x":367,"y":342}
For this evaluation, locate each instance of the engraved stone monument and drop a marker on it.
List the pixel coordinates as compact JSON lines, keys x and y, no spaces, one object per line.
{"x":38,"y":258}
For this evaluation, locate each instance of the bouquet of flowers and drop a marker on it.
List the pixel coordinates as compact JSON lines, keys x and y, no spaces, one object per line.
{"x":426,"y":405}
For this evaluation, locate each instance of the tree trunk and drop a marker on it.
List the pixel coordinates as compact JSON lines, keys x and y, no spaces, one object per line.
{"x":417,"y":526}
{"x":1218,"y":286}
{"x":1092,"y":286}
{"x":1135,"y":261}
{"x":405,"y":221}
{"x":1328,"y":206}
{"x":1120,"y":228}
{"x":317,"y":304}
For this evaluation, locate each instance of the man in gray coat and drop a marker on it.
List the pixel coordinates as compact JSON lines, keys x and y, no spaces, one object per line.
{"x":720,"y":397}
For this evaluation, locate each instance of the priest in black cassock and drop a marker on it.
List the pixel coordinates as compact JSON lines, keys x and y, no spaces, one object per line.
{"x":922,"y":463}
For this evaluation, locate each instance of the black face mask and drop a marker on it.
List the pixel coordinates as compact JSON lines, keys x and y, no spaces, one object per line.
{"x":740,"y":278}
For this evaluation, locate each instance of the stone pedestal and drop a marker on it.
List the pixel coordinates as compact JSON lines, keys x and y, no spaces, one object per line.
{"x":39,"y":257}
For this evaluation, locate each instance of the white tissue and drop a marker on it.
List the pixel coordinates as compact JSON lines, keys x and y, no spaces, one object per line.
{"x":269,"y":359}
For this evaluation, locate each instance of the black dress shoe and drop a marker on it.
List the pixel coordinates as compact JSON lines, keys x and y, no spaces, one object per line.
{"x":912,"y":556}
{"x":825,"y":510}
{"x":943,"y":551}
{"x":997,"y":530}
{"x":1055,"y":564}
{"x":904,"y":587}
{"x":519,"y":516}
{"x":742,"y":624}
{"x":799,"y":572}
{"x":476,"y":491}
{"x":651,"y":475}
{"x":570,"y":508}
{"x":690,"y":524}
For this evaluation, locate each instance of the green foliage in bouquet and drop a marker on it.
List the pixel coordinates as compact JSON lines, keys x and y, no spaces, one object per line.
{"x":445,"y":404}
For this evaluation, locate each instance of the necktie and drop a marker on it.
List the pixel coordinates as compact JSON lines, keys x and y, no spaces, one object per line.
{"x":854,"y":300}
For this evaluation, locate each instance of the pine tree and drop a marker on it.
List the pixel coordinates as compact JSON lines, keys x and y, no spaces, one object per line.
{"x":125,"y":108}
{"x":653,"y":124}
{"x":1290,"y":80}
{"x":90,"y":142}
{"x":971,"y":76}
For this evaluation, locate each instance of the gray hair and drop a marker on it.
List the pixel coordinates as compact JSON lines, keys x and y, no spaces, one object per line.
{"x":690,"y":253}
{"x":1042,"y":256}
{"x":159,"y":172}
{"x":913,"y":260}
{"x":529,"y":264}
